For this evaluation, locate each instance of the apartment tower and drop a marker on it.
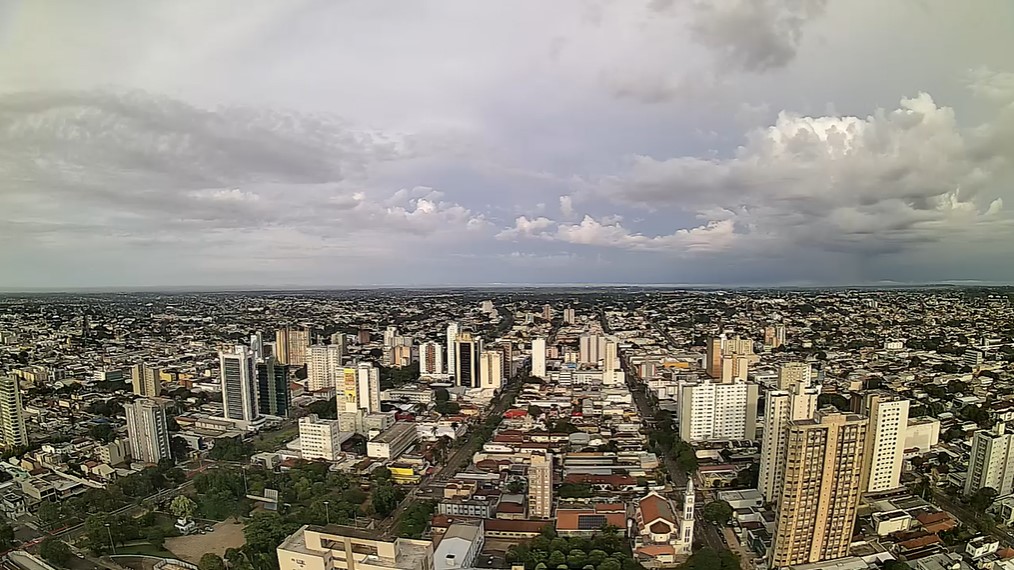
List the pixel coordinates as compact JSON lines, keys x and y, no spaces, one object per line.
{"x":239,"y":386}
{"x":147,"y":430}
{"x":799,"y":402}
{"x":12,"y":415}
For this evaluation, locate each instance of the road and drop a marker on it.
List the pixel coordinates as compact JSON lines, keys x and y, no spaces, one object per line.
{"x":966,"y":516}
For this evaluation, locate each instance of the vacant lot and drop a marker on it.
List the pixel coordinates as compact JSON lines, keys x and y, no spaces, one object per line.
{"x":226,"y":534}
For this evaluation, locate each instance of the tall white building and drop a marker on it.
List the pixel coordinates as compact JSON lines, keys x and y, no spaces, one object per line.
{"x":431,"y":358}
{"x":686,"y":541}
{"x":710,"y":411}
{"x":257,"y":345}
{"x":491,"y":369}
{"x":569,"y":316}
{"x":147,"y":381}
{"x":319,"y":439}
{"x":323,"y":366}
{"x":452,"y":359}
{"x":147,"y":430}
{"x":540,"y":486}
{"x":792,"y":373}
{"x":12,"y":415}
{"x":592,"y":349}
{"x":390,"y":335}
{"x":358,"y":394}
{"x":885,"y":440}
{"x":239,"y":384}
{"x":799,"y":402}
{"x":539,"y":358}
{"x":992,"y":461}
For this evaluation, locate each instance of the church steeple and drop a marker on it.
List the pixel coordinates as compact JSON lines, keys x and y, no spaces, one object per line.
{"x":687,"y":521}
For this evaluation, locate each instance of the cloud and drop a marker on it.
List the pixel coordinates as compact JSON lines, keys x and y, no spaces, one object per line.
{"x":893,"y":181}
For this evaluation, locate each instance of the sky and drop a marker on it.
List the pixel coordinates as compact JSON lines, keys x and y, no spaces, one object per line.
{"x":257,"y":143}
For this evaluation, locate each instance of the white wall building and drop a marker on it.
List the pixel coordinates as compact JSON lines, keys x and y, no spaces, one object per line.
{"x":711,"y":411}
{"x":452,"y":359}
{"x":12,"y":414}
{"x":431,"y":358}
{"x":320,"y":439}
{"x":147,"y":430}
{"x":539,"y":358}
{"x":885,"y":441}
{"x":991,"y":463}
{"x":323,"y":366}
{"x":922,"y":434}
{"x":781,"y":407}
{"x":491,"y":369}
{"x":239,"y":389}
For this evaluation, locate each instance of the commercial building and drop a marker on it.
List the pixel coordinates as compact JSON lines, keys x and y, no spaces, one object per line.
{"x":392,"y":442}
{"x":291,"y":345}
{"x":466,"y":354}
{"x":799,"y":402}
{"x":319,"y":439}
{"x":357,"y":395}
{"x":12,"y":414}
{"x":491,"y":369}
{"x":431,"y":358}
{"x":146,"y":381}
{"x":540,"y":486}
{"x":885,"y":440}
{"x":539,"y":358}
{"x":323,"y":366}
{"x":459,"y":546}
{"x":992,"y":461}
{"x":239,"y":391}
{"x":710,"y":411}
{"x":346,"y":548}
{"x":817,"y":510}
{"x":273,"y":397}
{"x":147,"y":430}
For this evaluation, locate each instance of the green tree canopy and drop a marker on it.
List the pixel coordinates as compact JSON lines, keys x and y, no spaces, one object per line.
{"x":718,"y":512}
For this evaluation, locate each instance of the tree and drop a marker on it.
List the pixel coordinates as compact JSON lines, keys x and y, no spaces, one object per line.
{"x":447,"y":408}
{"x":576,"y":558}
{"x":610,"y":564}
{"x":6,"y":536}
{"x":708,"y":559}
{"x":836,"y":400}
{"x":102,"y":432}
{"x":231,"y":449}
{"x":325,"y":409}
{"x":515,"y":486}
{"x":385,"y":499}
{"x":56,"y":551}
{"x":982,"y":499}
{"x":211,"y":561}
{"x":556,"y":558}
{"x":534,"y":411}
{"x":894,"y":564}
{"x":718,"y":512}
{"x":266,"y":531}
{"x":183,"y":507}
{"x":441,"y":395}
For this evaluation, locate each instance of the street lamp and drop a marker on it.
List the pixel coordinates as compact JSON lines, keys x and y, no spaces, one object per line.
{"x":110,"y":533}
{"x":327,"y":511}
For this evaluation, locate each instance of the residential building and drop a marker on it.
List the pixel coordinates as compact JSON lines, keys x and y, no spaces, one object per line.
{"x":539,"y":358}
{"x":147,"y":430}
{"x":491,"y":369}
{"x":146,"y":381}
{"x":466,"y":354}
{"x":992,"y":461}
{"x":592,"y":349}
{"x":452,"y":355}
{"x":817,"y":510}
{"x":12,"y":414}
{"x":291,"y":345}
{"x":431,"y":358}
{"x":323,"y":366}
{"x":713,"y":358}
{"x":885,"y":440}
{"x":345,"y":548}
{"x":774,"y":336}
{"x":569,"y":316}
{"x":239,"y":391}
{"x":793,"y":373}
{"x":540,"y":486}
{"x":273,"y":397}
{"x":319,"y":439}
{"x":799,"y":402}
{"x":710,"y":410}
{"x":459,"y":546}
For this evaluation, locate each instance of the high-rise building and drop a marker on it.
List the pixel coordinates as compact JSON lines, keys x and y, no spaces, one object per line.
{"x":358,"y":393}
{"x":992,"y":461}
{"x":592,"y":349}
{"x":611,"y":355}
{"x":798,"y":402}
{"x":569,"y":316}
{"x":431,"y":358}
{"x":491,"y":369}
{"x":540,"y":486}
{"x":338,"y":339}
{"x":368,"y":387}
{"x":539,"y":358}
{"x":717,"y":411}
{"x":147,"y":430}
{"x":774,"y":336}
{"x":713,"y":358}
{"x":319,"y":439}
{"x":466,"y":350}
{"x":817,"y":511}
{"x":291,"y":345}
{"x":547,"y":312}
{"x":452,"y":358}
{"x":273,"y":397}
{"x":734,"y":367}
{"x":238,"y":377}
{"x":257,"y":345}
{"x":323,"y":366}
{"x":12,"y":415}
{"x":147,"y":381}
{"x":390,"y":334}
{"x":792,"y":373}
{"x":885,"y":440}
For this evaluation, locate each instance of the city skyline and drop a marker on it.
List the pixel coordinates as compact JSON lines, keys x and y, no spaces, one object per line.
{"x":304,"y":145}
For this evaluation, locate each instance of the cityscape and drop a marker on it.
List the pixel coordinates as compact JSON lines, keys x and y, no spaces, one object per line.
{"x":506,"y":285}
{"x":580,"y":428}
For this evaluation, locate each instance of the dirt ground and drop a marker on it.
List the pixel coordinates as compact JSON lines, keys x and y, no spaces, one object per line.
{"x":224,"y":535}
